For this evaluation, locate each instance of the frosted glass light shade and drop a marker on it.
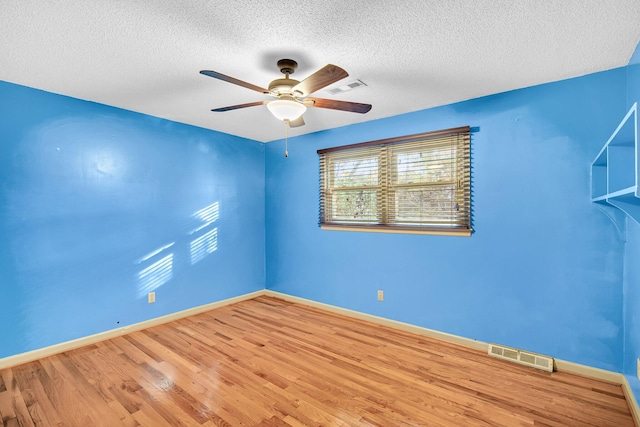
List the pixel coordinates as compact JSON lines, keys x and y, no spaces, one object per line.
{"x":285,"y":109}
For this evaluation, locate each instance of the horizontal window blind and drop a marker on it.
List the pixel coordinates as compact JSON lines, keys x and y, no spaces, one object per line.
{"x":419,"y":182}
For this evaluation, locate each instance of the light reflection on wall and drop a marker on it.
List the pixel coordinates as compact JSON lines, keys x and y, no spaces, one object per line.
{"x":209,"y":214}
{"x":156,"y":274}
{"x":158,"y":265}
{"x":207,"y":242}
{"x":204,"y":245}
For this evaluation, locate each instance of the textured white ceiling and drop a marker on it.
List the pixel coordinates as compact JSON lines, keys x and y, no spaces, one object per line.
{"x":145,"y":55}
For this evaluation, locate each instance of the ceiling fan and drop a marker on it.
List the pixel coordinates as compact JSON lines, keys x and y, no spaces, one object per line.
{"x":292,"y":96}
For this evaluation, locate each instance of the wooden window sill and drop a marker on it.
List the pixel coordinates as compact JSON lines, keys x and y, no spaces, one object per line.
{"x":398,"y":229}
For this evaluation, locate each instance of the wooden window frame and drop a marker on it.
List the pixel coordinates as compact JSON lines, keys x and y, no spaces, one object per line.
{"x":385,"y":150}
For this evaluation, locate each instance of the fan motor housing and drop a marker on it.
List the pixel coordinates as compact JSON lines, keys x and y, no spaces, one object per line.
{"x":282,"y":86}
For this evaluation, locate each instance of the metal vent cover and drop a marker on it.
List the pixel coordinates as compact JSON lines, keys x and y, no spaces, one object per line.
{"x":521,"y":357}
{"x":347,"y":87}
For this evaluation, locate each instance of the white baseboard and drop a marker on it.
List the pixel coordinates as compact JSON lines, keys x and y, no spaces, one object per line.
{"x":561,"y":365}
{"x":30,"y":356}
{"x":588,"y":371}
{"x":383,"y":321}
{"x":631,"y":400}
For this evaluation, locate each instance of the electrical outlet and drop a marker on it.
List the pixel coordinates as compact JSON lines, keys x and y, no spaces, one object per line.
{"x":380,"y":295}
{"x":151,"y":298}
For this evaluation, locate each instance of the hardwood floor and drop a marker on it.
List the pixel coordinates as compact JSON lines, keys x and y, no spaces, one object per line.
{"x":267,"y":362}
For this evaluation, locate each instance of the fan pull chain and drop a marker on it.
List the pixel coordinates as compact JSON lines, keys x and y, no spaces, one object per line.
{"x":286,"y":138}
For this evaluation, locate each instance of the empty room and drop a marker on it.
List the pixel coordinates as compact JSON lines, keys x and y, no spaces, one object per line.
{"x":330,"y":213}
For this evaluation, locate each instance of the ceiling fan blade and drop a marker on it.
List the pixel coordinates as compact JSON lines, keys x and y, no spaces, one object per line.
{"x":297,"y":122}
{"x":235,"y":107}
{"x":233,"y":80}
{"x":354,"y":107}
{"x":323,"y":77}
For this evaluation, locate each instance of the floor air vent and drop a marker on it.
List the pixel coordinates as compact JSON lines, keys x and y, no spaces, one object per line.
{"x":522,"y":357}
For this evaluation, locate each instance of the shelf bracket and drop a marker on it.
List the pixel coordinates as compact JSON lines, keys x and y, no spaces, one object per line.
{"x":632,"y":210}
{"x":616,"y":216}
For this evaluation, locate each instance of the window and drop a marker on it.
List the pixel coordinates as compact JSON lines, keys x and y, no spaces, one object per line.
{"x":413,"y":184}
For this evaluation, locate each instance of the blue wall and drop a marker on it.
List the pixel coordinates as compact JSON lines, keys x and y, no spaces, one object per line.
{"x":632,"y":305}
{"x":635,"y":58}
{"x":632,"y":260}
{"x":543,"y":270}
{"x":99,"y":205}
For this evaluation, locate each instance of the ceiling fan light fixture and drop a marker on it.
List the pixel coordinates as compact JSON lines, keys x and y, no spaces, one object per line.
{"x":286,"y":109}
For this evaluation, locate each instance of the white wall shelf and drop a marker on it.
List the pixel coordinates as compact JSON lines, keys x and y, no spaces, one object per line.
{"x":615,"y":170}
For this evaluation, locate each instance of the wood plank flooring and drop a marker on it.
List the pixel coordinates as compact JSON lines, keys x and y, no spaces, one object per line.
{"x":267,"y":362}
